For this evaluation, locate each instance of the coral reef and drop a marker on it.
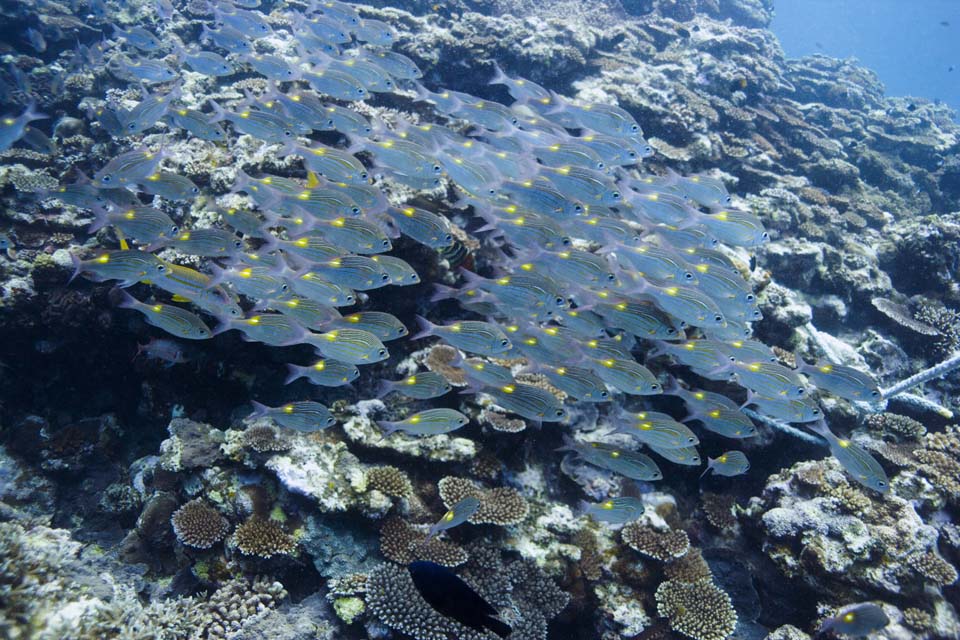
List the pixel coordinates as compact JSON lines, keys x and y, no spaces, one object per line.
{"x":199,"y":525}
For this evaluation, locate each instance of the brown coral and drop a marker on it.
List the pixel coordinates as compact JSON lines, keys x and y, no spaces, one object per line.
{"x":403,"y":543}
{"x":903,"y":426}
{"x":689,"y":568}
{"x":199,"y":525}
{"x":591,"y":564}
{"x":718,"y":509}
{"x":263,"y":438}
{"x":440,"y":360}
{"x":264,"y":538}
{"x":501,"y":505}
{"x":389,"y":480}
{"x":660,"y":545}
{"x":699,"y":610}
{"x":935,"y":569}
{"x":500,"y":422}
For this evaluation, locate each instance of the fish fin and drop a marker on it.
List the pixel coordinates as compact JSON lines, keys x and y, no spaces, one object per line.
{"x":709,"y":468}
{"x":425,"y":328}
{"x":77,"y":267}
{"x":383,"y":388}
{"x":179,"y":298}
{"x":499,"y":627}
{"x":218,"y":111}
{"x":123,"y":299}
{"x":313,"y":180}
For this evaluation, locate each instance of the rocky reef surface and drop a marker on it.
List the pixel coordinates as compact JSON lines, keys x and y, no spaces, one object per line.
{"x":137,"y":501}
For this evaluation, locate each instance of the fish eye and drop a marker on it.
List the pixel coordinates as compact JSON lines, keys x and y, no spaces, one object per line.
{"x":559,"y":302}
{"x":361,"y":91}
{"x":671,"y":331}
{"x":287,"y":133}
{"x":634,"y":128}
{"x":881,"y":483}
{"x":615,"y":195}
{"x":765,"y":235}
{"x":875,"y":393}
{"x":107,"y":178}
{"x":238,"y":244}
{"x":437,"y":168}
{"x":351,"y":299}
{"x":504,"y":342}
{"x":284,"y":287}
{"x":611,"y":277}
{"x":751,"y":297}
{"x":801,"y":391}
{"x":604,"y":394}
{"x":415,"y":278}
{"x":691,"y":439}
{"x":385,"y":243}
{"x":162,"y":268}
{"x":688,"y":276}
{"x":718,"y":318}
{"x":655,"y":387}
{"x":174,"y":230}
{"x":815,"y":411}
{"x":578,"y":208}
{"x":448,"y":238}
{"x":132,"y":126}
{"x":560,"y":412}
{"x":600,"y":165}
{"x":364,"y":175}
{"x":381,"y":352}
{"x":355,"y":211}
{"x":384,"y":277}
{"x":632,"y":154}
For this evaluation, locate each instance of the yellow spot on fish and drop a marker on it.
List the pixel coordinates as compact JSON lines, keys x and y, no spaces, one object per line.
{"x":607,"y":505}
{"x":722,"y":216}
{"x":827,"y":368}
{"x":255,"y":320}
{"x":104,"y":259}
{"x":412,"y":380}
{"x":246,"y":273}
{"x":754,"y":367}
{"x":715,"y":413}
{"x":503,"y":281}
{"x":339,"y":222}
{"x":455,"y":327}
{"x":288,"y":408}
{"x":448,"y":516}
{"x":409,"y":211}
{"x":331,"y":335}
{"x":608,"y":363}
{"x":414,"y":420}
{"x":157,"y":308}
{"x":614,"y":454}
{"x":843,"y":443}
{"x":320,"y":366}
{"x":530,"y":342}
{"x":508,"y":388}
{"x":9,"y":121}
{"x":850,"y":616}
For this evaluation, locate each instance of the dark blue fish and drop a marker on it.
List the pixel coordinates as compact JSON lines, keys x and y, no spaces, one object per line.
{"x":453,"y":598}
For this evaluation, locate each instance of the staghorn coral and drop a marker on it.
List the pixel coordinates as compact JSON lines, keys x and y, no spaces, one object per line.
{"x":199,"y":525}
{"x":660,"y":545}
{"x":389,"y":480}
{"x":263,"y":538}
{"x":500,"y":505}
{"x":698,"y":610}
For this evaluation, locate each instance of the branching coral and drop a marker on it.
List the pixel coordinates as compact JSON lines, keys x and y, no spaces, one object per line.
{"x":199,"y":525}
{"x":389,"y":480}
{"x":403,"y":543}
{"x":698,"y":610}
{"x":660,"y":545}
{"x":501,"y":505}
{"x":263,"y":538}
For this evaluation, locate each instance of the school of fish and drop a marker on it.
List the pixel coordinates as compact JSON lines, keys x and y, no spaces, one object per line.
{"x":606,"y":280}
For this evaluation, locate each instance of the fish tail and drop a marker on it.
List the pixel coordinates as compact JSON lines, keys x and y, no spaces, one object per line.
{"x":259,"y":410}
{"x":383,"y":388}
{"x":294,"y":372}
{"x":124,"y":299}
{"x":31,"y":112}
{"x":443,"y":292}
{"x":499,"y":627}
{"x":388,"y":428}
{"x":426,"y":328}
{"x":77,"y":267}
{"x":218,"y":111}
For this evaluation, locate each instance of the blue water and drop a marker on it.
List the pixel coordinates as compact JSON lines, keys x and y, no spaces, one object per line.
{"x":902,"y":40}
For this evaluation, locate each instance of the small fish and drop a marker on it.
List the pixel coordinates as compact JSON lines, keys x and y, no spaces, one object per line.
{"x":128,"y":168}
{"x":250,"y":23}
{"x":336,"y":83}
{"x":353,"y":346}
{"x":424,"y":385}
{"x":212,"y":243}
{"x":738,"y":228}
{"x":453,"y":598}
{"x":355,"y":234}
{"x":249,"y":223}
{"x":141,"y":69}
{"x":577,"y":382}
{"x":482,"y":338}
{"x":396,"y":64}
{"x":688,"y":456}
{"x":347,"y":121}
{"x":384,"y":325}
{"x":862,"y":466}
{"x":730,"y":463}
{"x":356,"y":272}
{"x":306,"y":416}
{"x":36,"y":40}
{"x":174,"y":320}
{"x":227,"y":38}
{"x":613,"y":458}
{"x":768,"y":379}
{"x":38,"y":141}
{"x":658,"y":430}
{"x":271,"y":66}
{"x":334,"y":164}
{"x":145,"y":225}
{"x":628,"y":376}
{"x":427,"y":423}
{"x":170,"y":186}
{"x":206,"y":62}
{"x":644,"y":320}
{"x":716,"y":413}
{"x":196,"y":123}
{"x":147,"y":112}
{"x":457,"y":515}
{"x":138,"y":37}
{"x":620,"y":510}
{"x":12,"y":128}
{"x":532,"y":403}
{"x":485,"y":373}
{"x":856,"y":620}
{"x":425,"y":227}
{"x":843,"y":381}
{"x":263,"y":125}
{"x":275,"y":329}
{"x":803,"y":409}
{"x":167,"y":351}
{"x":324,"y":373}
{"x":7,"y":246}
{"x":127,"y":266}
{"x":198,"y":288}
